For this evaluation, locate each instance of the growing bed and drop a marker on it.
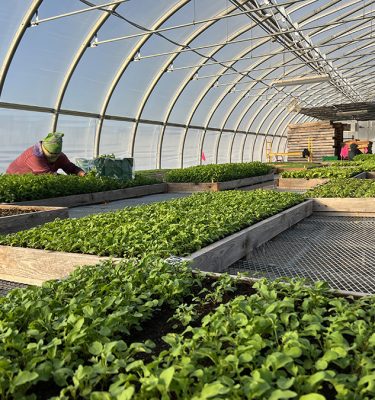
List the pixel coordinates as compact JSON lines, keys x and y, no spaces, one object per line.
{"x":71,"y":190}
{"x":177,"y":227}
{"x":218,"y":177}
{"x":307,"y":179}
{"x":146,"y":329}
{"x":349,"y":197}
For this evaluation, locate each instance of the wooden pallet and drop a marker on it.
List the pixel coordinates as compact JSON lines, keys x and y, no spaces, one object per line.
{"x":326,"y":138}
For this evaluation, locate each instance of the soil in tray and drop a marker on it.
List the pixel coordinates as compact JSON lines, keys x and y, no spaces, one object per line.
{"x":161,"y":323}
{"x":7,"y":212}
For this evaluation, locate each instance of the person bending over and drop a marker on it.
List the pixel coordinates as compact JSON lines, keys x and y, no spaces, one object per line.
{"x":45,"y":157}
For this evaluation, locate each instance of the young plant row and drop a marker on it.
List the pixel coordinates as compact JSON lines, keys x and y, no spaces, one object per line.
{"x":364,"y":157}
{"x":33,"y":187}
{"x":324,"y":172}
{"x":367,"y":162}
{"x":283,"y":342}
{"x":79,"y":339}
{"x":177,"y":227}
{"x":344,"y":188}
{"x":217,"y":172}
{"x":84,"y":328}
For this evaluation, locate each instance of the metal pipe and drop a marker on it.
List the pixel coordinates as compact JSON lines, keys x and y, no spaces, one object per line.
{"x":302,"y":50}
{"x":193,"y":23}
{"x":40,"y":21}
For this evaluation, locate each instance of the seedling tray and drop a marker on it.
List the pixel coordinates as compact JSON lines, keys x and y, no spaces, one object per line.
{"x":98,"y":197}
{"x":218,"y":186}
{"x":30,"y":217}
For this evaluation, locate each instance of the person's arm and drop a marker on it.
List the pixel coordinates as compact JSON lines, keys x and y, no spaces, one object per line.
{"x":68,"y":167}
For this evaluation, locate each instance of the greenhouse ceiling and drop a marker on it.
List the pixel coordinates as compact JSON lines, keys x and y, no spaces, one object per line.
{"x":167,"y":81}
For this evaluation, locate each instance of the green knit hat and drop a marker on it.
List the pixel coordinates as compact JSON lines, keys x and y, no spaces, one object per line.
{"x":53,"y":142}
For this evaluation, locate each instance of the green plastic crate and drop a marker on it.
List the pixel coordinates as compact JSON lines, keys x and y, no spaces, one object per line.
{"x":330,"y":158}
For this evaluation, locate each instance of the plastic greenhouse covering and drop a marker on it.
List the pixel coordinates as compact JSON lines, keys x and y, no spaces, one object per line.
{"x":166,"y":81}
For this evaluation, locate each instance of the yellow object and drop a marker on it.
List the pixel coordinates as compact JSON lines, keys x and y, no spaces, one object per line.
{"x":270,"y":153}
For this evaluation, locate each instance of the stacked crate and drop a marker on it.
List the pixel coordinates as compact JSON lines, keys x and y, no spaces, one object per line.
{"x":326,"y":138}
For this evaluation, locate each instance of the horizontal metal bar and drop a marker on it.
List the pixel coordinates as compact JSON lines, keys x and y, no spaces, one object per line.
{"x":264,"y":55}
{"x":193,"y":23}
{"x":270,"y":35}
{"x":300,"y":50}
{"x":83,"y":10}
{"x":75,"y":113}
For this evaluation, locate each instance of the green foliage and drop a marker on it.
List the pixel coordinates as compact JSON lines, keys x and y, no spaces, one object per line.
{"x":324,"y":172}
{"x":364,"y":157}
{"x":33,"y":187}
{"x":217,"y":172}
{"x":283,"y":342}
{"x":176,"y":227}
{"x":291,"y":164}
{"x":74,"y":332}
{"x":344,"y":188}
{"x":77,"y":339}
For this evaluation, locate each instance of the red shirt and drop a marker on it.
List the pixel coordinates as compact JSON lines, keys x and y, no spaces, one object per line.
{"x":33,"y":161}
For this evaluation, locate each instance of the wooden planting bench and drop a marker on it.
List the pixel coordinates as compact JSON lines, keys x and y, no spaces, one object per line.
{"x":28,"y":217}
{"x":32,"y":266}
{"x":218,"y":186}
{"x":306,"y":184}
{"x":98,"y":197}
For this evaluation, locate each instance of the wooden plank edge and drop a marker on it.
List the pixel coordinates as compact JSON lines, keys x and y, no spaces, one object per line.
{"x":19,"y":222}
{"x":187,"y":187}
{"x":246,"y":240}
{"x":345,"y":206}
{"x":300,"y":183}
{"x":35,"y":266}
{"x":345,"y":214}
{"x":98,"y":197}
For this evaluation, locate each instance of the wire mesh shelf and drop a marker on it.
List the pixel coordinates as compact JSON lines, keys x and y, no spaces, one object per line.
{"x":339,"y":250}
{"x":6,"y":286}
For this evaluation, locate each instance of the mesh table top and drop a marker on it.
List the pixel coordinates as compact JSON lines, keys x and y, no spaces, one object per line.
{"x":6,"y":286}
{"x":339,"y":250}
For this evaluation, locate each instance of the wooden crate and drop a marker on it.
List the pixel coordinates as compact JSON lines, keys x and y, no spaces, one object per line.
{"x":37,"y":216}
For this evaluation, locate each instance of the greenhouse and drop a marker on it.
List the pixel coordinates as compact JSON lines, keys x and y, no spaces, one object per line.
{"x":187,"y":199}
